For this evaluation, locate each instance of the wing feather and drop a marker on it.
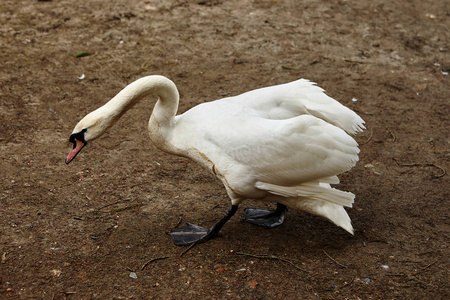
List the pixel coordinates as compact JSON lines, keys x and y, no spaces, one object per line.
{"x":301,"y":97}
{"x":287,"y":152}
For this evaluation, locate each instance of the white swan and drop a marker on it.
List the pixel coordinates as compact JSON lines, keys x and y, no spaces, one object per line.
{"x":282,"y":144}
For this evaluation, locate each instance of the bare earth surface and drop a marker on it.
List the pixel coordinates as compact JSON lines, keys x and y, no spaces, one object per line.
{"x":80,"y":231}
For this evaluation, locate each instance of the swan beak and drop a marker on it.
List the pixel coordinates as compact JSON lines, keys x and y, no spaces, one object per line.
{"x":77,"y":146}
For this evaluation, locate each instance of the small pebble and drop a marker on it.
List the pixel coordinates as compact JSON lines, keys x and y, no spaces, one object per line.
{"x":366,"y":280}
{"x":386,"y":267}
{"x":133,"y":275}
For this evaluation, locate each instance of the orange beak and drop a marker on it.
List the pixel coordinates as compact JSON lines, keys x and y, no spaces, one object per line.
{"x":77,"y":146}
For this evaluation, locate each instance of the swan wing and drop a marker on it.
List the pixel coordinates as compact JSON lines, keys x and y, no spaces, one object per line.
{"x":297,"y":98}
{"x":282,"y":152}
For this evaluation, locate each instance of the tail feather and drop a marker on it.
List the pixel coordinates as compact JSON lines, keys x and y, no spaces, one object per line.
{"x":317,"y":198}
{"x":313,"y":190}
{"x":332,"y":212}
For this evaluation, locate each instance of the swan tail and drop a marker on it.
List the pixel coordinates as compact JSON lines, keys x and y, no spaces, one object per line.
{"x":329,"y":211}
{"x":318,"y":191}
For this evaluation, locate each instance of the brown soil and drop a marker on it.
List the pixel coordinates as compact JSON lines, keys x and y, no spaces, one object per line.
{"x":80,"y":231}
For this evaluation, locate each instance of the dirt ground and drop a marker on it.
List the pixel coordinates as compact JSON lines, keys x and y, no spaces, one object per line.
{"x":96,"y":228}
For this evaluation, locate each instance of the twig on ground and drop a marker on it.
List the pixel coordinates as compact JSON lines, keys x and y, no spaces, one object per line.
{"x":344,"y":266}
{"x":215,"y":206}
{"x":137,"y":184}
{"x":426,"y":267}
{"x":186,"y":251}
{"x":354,"y":61}
{"x":120,"y":209}
{"x":267,"y":256}
{"x":152,"y":260}
{"x":443,"y":171}
{"x":179,"y":222}
{"x":370,"y":137}
{"x":348,"y":283}
{"x":393,"y":136}
{"x":108,"y":205}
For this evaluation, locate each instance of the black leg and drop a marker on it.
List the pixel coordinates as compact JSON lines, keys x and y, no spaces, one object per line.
{"x":265,"y":218}
{"x":191,"y":234}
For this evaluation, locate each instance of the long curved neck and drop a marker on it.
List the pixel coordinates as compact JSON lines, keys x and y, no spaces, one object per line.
{"x":165,"y":108}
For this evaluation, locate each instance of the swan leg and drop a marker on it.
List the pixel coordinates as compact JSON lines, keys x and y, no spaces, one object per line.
{"x":193,"y":234}
{"x":265,"y":218}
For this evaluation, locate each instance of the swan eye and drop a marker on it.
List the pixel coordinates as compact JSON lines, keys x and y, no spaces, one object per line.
{"x":77,"y":136}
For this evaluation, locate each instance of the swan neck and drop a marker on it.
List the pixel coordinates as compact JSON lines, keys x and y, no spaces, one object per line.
{"x":166,"y":106}
{"x":98,"y":121}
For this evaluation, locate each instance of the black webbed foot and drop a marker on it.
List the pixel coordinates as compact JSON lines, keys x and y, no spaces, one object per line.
{"x":193,"y":234}
{"x":265,"y":218}
{"x":187,"y":235}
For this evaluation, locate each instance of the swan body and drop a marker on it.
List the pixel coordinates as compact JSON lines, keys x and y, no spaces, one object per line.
{"x":283,"y":144}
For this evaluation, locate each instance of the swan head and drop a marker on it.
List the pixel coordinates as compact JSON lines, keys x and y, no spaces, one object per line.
{"x":89,"y":128}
